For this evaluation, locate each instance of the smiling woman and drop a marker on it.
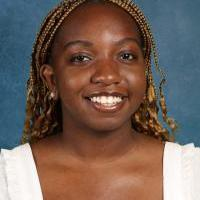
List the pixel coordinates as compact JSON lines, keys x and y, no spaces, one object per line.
{"x":64,"y":30}
{"x":92,"y":129}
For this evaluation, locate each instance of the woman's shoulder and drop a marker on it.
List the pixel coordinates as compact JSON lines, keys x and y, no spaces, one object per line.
{"x":190,"y":158}
{"x":18,"y":174}
{"x":187,"y":152}
{"x":187,"y":155}
{"x":182,"y":169}
{"x":15,"y":151}
{"x":15,"y":158}
{"x":9,"y":160}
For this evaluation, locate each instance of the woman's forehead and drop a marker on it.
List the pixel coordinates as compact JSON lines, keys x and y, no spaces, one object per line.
{"x":93,"y":18}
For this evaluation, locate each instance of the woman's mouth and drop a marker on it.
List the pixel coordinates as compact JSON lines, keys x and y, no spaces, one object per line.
{"x":107,"y":104}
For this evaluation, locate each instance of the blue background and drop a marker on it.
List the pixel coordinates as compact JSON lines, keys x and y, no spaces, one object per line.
{"x":175,"y":24}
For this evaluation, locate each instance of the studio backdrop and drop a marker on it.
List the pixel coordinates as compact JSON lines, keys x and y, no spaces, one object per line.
{"x":175,"y":24}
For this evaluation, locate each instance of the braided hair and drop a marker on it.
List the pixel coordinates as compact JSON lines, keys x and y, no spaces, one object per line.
{"x":43,"y":114}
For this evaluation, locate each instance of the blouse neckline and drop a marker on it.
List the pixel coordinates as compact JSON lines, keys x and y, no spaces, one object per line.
{"x":24,"y":184}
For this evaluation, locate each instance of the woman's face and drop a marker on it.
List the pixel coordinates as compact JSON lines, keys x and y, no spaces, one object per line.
{"x":97,"y":56}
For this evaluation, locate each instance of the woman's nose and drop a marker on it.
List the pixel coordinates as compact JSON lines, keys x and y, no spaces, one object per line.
{"x":106,"y":73}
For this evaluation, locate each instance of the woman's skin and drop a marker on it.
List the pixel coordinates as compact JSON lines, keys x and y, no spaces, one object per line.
{"x":98,"y":156}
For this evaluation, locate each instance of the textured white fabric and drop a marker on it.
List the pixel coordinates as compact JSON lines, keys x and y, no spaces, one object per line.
{"x":181,"y":173}
{"x":18,"y":175}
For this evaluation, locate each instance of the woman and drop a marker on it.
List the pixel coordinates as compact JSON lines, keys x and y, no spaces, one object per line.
{"x":92,"y":129}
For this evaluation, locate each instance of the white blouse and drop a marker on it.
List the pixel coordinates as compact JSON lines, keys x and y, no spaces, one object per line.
{"x":181,"y":173}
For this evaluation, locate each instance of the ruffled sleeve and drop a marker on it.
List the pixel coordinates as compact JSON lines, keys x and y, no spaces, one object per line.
{"x":11,"y":171}
{"x":181,"y":172}
{"x":18,"y":175}
{"x":191,"y":172}
{"x":3,"y":182}
{"x":196,"y":174}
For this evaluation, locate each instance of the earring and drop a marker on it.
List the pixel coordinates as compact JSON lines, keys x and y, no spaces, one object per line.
{"x":52,"y":95}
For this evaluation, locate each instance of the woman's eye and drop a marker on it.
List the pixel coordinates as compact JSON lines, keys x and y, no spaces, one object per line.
{"x":79,"y":59}
{"x":127,"y":56}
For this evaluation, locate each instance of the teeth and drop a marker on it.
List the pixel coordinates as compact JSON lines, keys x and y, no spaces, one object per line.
{"x":110,"y":100}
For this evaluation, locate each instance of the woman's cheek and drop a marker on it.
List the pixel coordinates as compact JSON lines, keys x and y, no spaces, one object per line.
{"x":136,"y":79}
{"x":71,"y":83}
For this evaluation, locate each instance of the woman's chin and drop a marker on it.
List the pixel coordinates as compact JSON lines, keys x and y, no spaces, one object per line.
{"x":107,"y":125}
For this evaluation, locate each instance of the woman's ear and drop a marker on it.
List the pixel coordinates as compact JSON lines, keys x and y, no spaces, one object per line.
{"x":48,"y":77}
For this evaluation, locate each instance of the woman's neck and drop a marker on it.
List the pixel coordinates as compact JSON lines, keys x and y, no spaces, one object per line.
{"x":95,"y":146}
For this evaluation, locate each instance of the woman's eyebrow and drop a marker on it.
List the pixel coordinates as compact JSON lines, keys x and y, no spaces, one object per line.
{"x":84,"y":43}
{"x":128,"y":39}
